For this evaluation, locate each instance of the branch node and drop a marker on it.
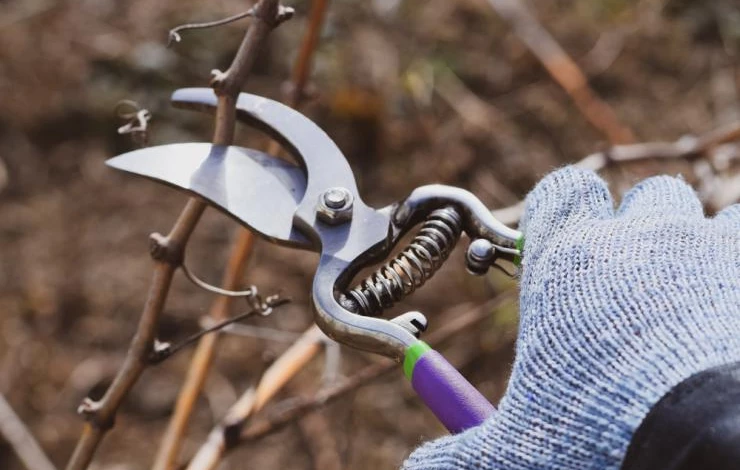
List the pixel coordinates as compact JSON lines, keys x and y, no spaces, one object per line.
{"x":273,"y":14}
{"x":89,"y":409}
{"x":284,"y":14}
{"x":162,"y":249}
{"x":161,"y":350}
{"x":218,"y":80}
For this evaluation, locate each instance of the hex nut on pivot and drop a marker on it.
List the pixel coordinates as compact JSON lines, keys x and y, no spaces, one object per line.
{"x":335,"y":206}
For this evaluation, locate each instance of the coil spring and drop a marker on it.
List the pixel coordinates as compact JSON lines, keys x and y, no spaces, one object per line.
{"x":411,"y":268}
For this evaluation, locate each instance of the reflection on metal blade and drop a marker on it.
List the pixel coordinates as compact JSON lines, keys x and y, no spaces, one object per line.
{"x":260,"y":191}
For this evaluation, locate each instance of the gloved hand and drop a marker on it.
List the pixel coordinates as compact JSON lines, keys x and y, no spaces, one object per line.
{"x":616,"y":309}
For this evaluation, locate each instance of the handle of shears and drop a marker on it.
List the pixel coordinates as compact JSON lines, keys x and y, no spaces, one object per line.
{"x":454,"y":400}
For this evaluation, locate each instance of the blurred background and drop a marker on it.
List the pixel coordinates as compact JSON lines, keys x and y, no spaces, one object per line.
{"x":413,"y":91}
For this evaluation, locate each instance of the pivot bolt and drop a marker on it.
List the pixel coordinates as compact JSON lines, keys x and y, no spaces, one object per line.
{"x":336,"y":198}
{"x":335,"y":206}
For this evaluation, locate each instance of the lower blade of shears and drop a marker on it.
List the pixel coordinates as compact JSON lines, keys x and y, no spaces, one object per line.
{"x":258,"y":190}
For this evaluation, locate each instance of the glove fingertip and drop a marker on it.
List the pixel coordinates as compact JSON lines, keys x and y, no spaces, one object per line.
{"x":661,"y":196}
{"x":565,"y":196}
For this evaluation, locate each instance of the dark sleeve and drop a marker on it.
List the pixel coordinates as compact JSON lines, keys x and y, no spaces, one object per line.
{"x":694,"y":426}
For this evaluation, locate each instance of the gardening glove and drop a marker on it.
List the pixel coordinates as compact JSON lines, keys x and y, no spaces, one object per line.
{"x":617,"y":308}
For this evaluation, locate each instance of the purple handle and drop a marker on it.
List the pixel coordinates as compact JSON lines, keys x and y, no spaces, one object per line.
{"x":457,"y":404}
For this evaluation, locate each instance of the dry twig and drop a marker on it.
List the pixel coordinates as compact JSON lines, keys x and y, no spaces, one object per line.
{"x":203,"y":357}
{"x":563,"y":69}
{"x":174,"y":34}
{"x":226,"y":434}
{"x":685,"y":147}
{"x":167,"y":251}
{"x":302,"y":68}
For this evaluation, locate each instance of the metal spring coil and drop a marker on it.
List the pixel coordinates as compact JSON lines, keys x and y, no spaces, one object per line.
{"x":411,"y":268}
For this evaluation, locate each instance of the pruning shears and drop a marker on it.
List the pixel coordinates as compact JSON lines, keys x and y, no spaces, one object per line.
{"x":315,"y":205}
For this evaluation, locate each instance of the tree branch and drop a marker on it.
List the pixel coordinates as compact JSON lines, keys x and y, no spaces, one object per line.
{"x":203,"y":357}
{"x":100,"y":415}
{"x":226,"y":434}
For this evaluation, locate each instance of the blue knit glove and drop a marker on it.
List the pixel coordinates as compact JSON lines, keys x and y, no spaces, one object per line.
{"x":616,"y":309}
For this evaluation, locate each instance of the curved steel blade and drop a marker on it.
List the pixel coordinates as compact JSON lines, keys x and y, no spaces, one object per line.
{"x":324,"y":164}
{"x":258,"y":190}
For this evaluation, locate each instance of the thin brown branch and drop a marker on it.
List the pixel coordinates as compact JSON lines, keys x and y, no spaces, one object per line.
{"x":100,"y":414}
{"x":685,"y":147}
{"x":167,"y":350}
{"x":20,"y":439}
{"x":563,"y":70}
{"x":168,"y":452}
{"x":174,"y":34}
{"x":226,"y":434}
{"x":302,"y":66}
{"x":268,"y":15}
{"x":294,"y":409}
{"x":168,"y":251}
{"x":203,"y":356}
